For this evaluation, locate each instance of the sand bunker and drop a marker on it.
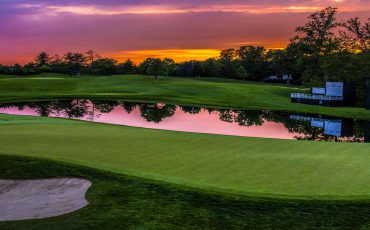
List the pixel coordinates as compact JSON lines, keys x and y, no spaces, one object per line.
{"x":34,"y":199}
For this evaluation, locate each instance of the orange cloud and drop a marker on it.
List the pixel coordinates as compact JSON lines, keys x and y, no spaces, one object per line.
{"x":173,"y":9}
{"x":137,"y":29}
{"x":178,"y":55}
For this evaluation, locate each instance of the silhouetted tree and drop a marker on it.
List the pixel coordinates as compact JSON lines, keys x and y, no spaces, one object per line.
{"x":104,"y":66}
{"x":128,"y":67}
{"x":211,"y":68}
{"x":357,"y":36}
{"x":230,"y":66}
{"x":42,"y":59}
{"x":169,"y":66}
{"x":91,"y":56}
{"x":317,"y":36}
{"x":74,"y":61}
{"x":153,"y":67}
{"x":252,"y":58}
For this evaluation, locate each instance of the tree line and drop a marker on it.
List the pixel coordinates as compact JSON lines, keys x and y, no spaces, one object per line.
{"x":324,"y":49}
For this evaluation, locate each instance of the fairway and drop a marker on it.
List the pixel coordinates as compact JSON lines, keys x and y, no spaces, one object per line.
{"x":237,"y":165}
{"x":183,"y":91}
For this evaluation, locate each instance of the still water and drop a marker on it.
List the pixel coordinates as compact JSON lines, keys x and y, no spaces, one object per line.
{"x":248,"y":123}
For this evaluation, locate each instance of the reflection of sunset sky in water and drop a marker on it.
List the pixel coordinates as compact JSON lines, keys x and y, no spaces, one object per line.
{"x":203,"y":122}
{"x":248,"y":123}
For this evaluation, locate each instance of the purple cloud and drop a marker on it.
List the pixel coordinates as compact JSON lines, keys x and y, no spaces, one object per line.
{"x":112,"y":26}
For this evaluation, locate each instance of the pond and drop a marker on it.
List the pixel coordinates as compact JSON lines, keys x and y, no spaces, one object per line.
{"x":248,"y":123}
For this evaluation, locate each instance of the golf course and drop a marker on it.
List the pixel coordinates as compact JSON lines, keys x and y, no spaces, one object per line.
{"x":211,"y":181}
{"x":184,"y":115}
{"x":211,"y":92}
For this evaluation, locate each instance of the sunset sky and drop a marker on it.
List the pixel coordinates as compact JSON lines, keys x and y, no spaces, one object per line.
{"x":180,"y":29}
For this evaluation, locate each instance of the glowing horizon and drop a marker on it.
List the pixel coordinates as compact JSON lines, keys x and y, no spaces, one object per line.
{"x":136,"y":29}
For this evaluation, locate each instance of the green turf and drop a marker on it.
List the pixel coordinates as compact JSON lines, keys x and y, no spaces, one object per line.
{"x":209,"y":91}
{"x":122,"y":202}
{"x":238,"y":165}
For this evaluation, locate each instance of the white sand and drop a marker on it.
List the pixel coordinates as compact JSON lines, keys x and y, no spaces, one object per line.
{"x":34,"y":199}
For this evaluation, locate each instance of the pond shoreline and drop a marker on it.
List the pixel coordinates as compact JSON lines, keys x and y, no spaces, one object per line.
{"x":247,"y":123}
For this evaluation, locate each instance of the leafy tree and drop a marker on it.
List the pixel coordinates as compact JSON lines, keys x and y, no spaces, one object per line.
{"x":91,"y":56}
{"x":42,"y":59}
{"x":104,"y":66}
{"x":357,"y":36}
{"x":252,"y":58}
{"x":317,"y":36}
{"x":348,"y":67}
{"x":16,"y":69}
{"x":44,"y":69}
{"x":276,"y":61}
{"x":230,"y":66}
{"x":128,"y":67}
{"x":169,"y":66}
{"x":74,"y":62}
{"x":198,"y":69}
{"x":57,"y":65}
{"x":154,"y":67}
{"x":31,"y":68}
{"x":211,"y":68}
{"x":317,"y":39}
{"x":3,"y":69}
{"x":228,"y":55}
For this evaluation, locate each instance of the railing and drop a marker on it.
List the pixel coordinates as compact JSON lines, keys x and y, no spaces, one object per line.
{"x":316,"y":97}
{"x":300,"y":118}
{"x":304,"y":118}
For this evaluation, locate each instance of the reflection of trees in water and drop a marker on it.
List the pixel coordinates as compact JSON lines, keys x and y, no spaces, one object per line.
{"x":359,"y":130}
{"x":129,"y":106}
{"x":307,"y":132}
{"x":226,"y":115}
{"x":249,"y":118}
{"x":105,"y":106}
{"x":304,"y":129}
{"x":242,"y":117}
{"x":190,"y":109}
{"x":42,"y":109}
{"x":66,"y":108}
{"x":158,"y":112}
{"x":71,"y":109}
{"x":151,"y":112}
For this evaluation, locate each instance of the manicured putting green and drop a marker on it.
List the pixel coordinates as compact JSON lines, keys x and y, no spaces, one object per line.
{"x":248,"y":166}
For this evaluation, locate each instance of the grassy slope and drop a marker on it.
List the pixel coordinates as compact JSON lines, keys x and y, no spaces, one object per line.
{"x":211,"y":92}
{"x":248,"y":166}
{"x":121,"y":202}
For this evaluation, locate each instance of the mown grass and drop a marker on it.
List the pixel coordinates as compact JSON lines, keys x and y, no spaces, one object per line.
{"x":184,"y":91}
{"x":237,"y":165}
{"x":123,"y":202}
{"x":216,"y":182}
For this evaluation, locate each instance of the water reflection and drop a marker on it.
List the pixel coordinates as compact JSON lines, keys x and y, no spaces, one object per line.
{"x":252,"y":123}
